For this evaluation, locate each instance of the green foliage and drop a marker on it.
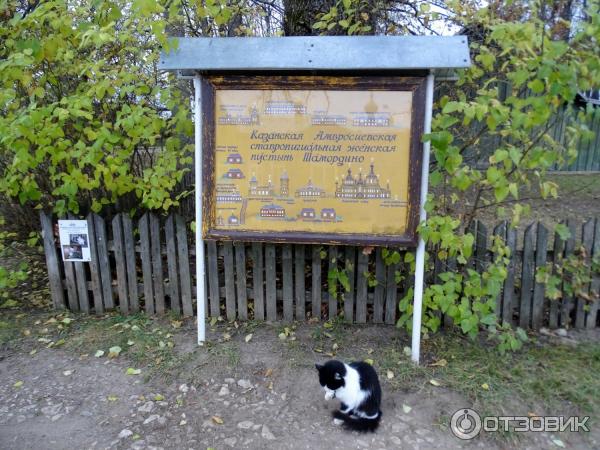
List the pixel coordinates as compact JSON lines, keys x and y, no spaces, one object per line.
{"x":85,"y":116}
{"x":351,"y":17}
{"x":10,"y":274}
{"x":520,"y":79}
{"x":570,"y":276}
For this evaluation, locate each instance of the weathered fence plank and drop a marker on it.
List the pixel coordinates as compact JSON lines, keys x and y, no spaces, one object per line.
{"x":184,"y":267}
{"x":567,"y":303}
{"x":378,"y":300}
{"x":240,"y":280}
{"x":157,"y":268}
{"x":146,"y":257}
{"x":332,"y":309}
{"x":52,"y":262}
{"x":558,"y":250}
{"x":500,"y":231}
{"x":119,"y":249}
{"x":258,"y":280}
{"x":94,"y":266}
{"x":391,"y":294}
{"x":541,"y":252}
{"x":71,"y":283}
{"x":508,"y":290}
{"x":103,"y":262}
{"x":316,"y":282}
{"x":587,"y":241}
{"x":130,"y":258}
{"x":288,"y":282}
{"x":229,"y":280}
{"x":213,"y":278}
{"x":362,"y":267}
{"x":172,"y":264}
{"x":299,"y":284}
{"x":271,"y":285}
{"x":592,"y":316}
{"x":350,"y":265}
{"x":527,"y":276}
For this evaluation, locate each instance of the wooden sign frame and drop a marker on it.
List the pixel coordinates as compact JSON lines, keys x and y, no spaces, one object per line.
{"x":413,"y":82}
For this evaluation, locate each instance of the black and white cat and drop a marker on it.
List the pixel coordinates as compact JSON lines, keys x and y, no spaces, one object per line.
{"x":357,"y":387}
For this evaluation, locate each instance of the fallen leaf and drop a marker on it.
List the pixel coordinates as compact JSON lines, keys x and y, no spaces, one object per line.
{"x":135,"y":437}
{"x":44,"y":340}
{"x":370,"y":351}
{"x":226,"y":336}
{"x":135,"y":328}
{"x":439,"y":363}
{"x":33,"y":352}
{"x":18,"y":384}
{"x":66,"y":373}
{"x":282,"y":336}
{"x":268,"y":372}
{"x":158,"y":398}
{"x":183,"y":422}
{"x":407,"y":351}
{"x":67,"y":320}
{"x":51,"y":320}
{"x":369,"y":361}
{"x":270,"y":386}
{"x":130,"y":342}
{"x":406,"y":408}
{"x":26,"y":332}
{"x":217,"y":420}
{"x":132,"y":371}
{"x":248,"y":337}
{"x":335,"y":346}
{"x":435,"y":382}
{"x":99,"y":353}
{"x":485,"y":386}
{"x":112,"y":398}
{"x":213,"y":321}
{"x":390,"y":374}
{"x":176,"y":323}
{"x":318,"y":350}
{"x":558,"y":443}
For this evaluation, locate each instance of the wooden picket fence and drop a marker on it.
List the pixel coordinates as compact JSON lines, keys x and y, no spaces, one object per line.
{"x":150,"y":266}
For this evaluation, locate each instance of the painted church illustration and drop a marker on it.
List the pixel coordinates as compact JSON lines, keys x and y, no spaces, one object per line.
{"x":361,"y":187}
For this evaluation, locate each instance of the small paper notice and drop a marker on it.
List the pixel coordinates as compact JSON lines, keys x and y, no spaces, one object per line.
{"x":74,"y":240}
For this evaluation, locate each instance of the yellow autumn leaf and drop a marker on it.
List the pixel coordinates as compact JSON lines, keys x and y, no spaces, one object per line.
{"x":435,"y":382}
{"x":217,"y":420}
{"x":485,"y":386}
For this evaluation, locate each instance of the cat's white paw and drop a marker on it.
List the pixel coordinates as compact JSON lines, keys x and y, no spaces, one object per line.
{"x":329,"y":395}
{"x":338,"y":422}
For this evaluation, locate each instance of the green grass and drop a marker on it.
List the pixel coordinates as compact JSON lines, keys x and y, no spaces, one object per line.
{"x":542,"y":379}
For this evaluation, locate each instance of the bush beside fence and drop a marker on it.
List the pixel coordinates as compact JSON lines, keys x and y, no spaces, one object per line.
{"x":150,"y":266}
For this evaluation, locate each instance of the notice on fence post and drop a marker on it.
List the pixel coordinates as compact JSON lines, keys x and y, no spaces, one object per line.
{"x":74,"y":240}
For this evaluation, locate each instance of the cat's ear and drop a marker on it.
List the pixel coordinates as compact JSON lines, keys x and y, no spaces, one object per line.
{"x":318,"y":366}
{"x":337,"y":376}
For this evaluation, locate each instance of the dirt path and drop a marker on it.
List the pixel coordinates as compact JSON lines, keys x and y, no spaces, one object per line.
{"x":254,"y":395}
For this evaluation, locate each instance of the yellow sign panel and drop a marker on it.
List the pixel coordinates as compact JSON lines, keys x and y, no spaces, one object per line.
{"x":313,"y":161}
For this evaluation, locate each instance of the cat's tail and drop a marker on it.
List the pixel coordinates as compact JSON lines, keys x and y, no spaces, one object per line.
{"x":360,"y":424}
